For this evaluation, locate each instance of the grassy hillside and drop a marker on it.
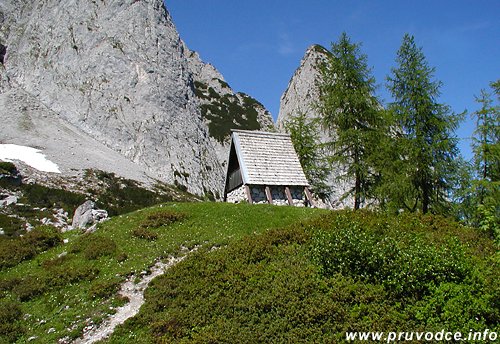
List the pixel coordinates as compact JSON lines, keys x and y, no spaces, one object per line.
{"x":278,"y":275}
{"x":67,"y":286}
{"x":311,"y":282}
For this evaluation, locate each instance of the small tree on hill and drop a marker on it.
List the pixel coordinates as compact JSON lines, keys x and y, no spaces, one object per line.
{"x":305,"y":138}
{"x":349,"y":111}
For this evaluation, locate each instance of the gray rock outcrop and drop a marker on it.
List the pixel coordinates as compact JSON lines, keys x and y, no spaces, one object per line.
{"x":117,"y":74}
{"x":300,"y":97}
{"x":87,"y":215}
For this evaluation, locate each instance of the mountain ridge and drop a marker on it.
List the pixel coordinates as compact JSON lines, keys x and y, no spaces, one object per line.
{"x":121,"y":75}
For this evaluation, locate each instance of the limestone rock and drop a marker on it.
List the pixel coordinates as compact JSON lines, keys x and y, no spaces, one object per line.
{"x":87,"y":215}
{"x":300,"y":96}
{"x":117,"y":75}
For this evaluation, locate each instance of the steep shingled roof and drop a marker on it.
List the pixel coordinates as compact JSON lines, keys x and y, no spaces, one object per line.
{"x":267,"y":158}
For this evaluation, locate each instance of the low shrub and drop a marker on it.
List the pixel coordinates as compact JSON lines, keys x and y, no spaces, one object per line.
{"x":15,"y":250}
{"x":46,"y":197}
{"x":10,"y":321}
{"x":408,"y":266}
{"x":29,"y":287}
{"x":162,"y":218}
{"x":144,"y":233}
{"x":105,"y":289}
{"x":7,"y":168}
{"x":94,"y":246}
{"x":61,"y":275}
{"x":314,"y":282}
{"x":10,"y":225}
{"x":43,"y":238}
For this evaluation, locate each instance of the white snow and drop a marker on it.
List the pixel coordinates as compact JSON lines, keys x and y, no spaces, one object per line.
{"x":30,"y":156}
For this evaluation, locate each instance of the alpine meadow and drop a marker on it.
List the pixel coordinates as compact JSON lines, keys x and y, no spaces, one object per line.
{"x":159,"y":203}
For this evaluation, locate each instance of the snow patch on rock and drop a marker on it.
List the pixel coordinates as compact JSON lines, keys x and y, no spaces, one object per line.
{"x":30,"y":156}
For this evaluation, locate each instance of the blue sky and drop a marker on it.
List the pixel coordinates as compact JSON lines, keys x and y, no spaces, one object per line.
{"x":257,"y":45}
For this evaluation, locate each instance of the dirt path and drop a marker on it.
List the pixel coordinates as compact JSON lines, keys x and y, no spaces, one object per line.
{"x":135,"y":293}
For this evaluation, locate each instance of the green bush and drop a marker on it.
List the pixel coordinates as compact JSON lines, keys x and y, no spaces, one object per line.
{"x":61,"y":275}
{"x":29,"y":287}
{"x":162,"y":218}
{"x":124,"y":195}
{"x":15,"y":250}
{"x":7,"y":168}
{"x":10,"y":321}
{"x":313,"y":282}
{"x":10,"y":225}
{"x":144,"y":233}
{"x":45,"y":197}
{"x":105,"y":289}
{"x":43,"y":238}
{"x":94,"y":246}
{"x":407,"y":266}
{"x":461,"y":307}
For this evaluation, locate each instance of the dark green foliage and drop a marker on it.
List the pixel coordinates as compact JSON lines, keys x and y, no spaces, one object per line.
{"x":425,"y":147}
{"x":105,"y":288}
{"x":406,"y":265}
{"x":226,"y":112}
{"x":7,"y":168}
{"x":485,"y":189}
{"x":314,"y":281}
{"x":9,"y":175}
{"x":10,"y":321}
{"x":57,"y":272}
{"x":29,"y":287}
{"x":44,"y":197}
{"x":15,"y":250}
{"x":69,"y":271}
{"x":94,"y":246}
{"x":157,"y":220}
{"x":162,"y":218}
{"x":10,"y":225}
{"x":349,"y":111}
{"x":124,"y":195}
{"x":305,"y":138}
{"x":144,"y":233}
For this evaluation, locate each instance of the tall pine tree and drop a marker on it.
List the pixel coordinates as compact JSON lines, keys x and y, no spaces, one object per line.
{"x":426,"y":142}
{"x":349,"y":111}
{"x":486,"y":147}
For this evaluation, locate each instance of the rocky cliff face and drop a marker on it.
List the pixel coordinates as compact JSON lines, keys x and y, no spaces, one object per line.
{"x":118,"y":74}
{"x":222,"y":109}
{"x":300,"y":97}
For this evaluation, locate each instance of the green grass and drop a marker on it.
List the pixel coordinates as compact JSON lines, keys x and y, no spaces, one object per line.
{"x":278,"y":275}
{"x":312,"y":282}
{"x":70,"y":285}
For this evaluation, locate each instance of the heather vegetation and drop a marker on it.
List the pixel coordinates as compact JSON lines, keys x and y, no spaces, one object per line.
{"x":61,"y":288}
{"x":314,"y":280}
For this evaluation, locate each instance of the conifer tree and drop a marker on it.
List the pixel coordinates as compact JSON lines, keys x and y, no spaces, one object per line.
{"x":426,"y":142}
{"x":349,"y":111}
{"x":306,"y":141}
{"x":486,"y":147}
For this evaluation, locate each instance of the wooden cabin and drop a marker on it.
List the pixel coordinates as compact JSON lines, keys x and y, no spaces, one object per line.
{"x":263,"y":167}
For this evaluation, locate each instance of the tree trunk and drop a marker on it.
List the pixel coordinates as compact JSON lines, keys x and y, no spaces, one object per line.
{"x":426,"y":198}
{"x":357,"y":183}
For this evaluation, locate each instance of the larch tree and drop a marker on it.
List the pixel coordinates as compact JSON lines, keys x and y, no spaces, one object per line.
{"x":306,"y":142}
{"x":427,"y":144}
{"x":349,"y":111}
{"x":486,"y":147}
